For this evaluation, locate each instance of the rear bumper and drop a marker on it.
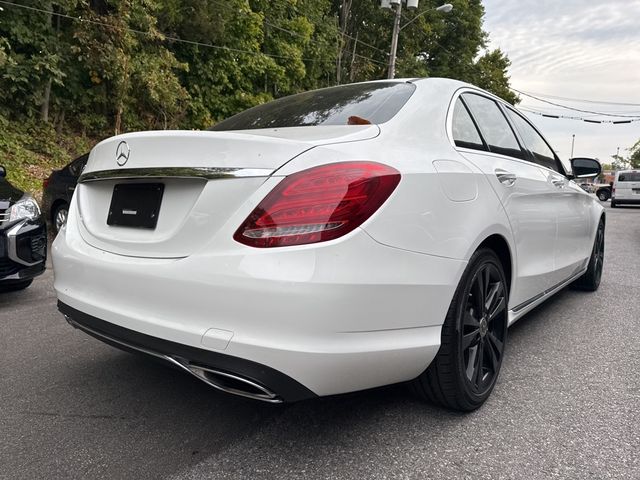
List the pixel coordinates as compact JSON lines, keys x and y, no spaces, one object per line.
{"x":626,"y":201}
{"x":243,"y":377}
{"x":339,"y":317}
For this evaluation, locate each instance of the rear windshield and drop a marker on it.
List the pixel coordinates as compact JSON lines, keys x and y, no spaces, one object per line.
{"x":357,"y":104}
{"x":629,"y":177}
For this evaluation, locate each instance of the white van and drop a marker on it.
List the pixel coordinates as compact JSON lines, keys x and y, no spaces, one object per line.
{"x":626,"y":188}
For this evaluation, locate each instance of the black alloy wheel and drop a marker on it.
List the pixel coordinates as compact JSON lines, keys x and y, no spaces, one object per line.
{"x":603,"y":196}
{"x":484,"y":329}
{"x":590,"y":281}
{"x":474,"y":334}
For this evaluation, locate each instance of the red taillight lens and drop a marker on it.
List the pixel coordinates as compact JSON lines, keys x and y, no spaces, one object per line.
{"x":45,"y":182}
{"x":318,"y":204}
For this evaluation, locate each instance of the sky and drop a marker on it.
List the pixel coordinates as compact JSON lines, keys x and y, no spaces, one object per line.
{"x":577,"y":49}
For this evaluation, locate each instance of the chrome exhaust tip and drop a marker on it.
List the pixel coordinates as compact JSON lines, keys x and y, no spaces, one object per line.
{"x":227,"y":382}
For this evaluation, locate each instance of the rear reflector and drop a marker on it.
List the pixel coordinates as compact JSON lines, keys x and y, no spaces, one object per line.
{"x":318,"y":204}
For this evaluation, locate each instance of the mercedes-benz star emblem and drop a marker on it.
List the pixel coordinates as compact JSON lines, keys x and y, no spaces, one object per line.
{"x":122,"y":153}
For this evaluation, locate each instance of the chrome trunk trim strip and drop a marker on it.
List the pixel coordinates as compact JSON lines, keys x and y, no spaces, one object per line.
{"x":207,"y":173}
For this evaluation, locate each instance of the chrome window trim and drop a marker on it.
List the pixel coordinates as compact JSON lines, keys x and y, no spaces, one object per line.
{"x":207,"y":173}
{"x":502,"y":104}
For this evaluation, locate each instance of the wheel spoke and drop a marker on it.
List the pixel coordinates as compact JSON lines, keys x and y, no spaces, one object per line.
{"x":498,"y":308}
{"x":477,"y":371}
{"x":493,"y":297}
{"x":479,"y":293}
{"x":487,"y":285}
{"x":470,"y":339}
{"x":493,"y":356}
{"x":470,"y":320}
{"x":495,"y":342}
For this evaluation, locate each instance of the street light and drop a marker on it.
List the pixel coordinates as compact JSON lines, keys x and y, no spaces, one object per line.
{"x":446,"y":8}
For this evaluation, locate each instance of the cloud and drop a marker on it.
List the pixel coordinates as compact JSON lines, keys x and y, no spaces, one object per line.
{"x":577,"y":49}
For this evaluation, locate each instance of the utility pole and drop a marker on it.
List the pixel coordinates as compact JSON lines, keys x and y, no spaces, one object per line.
{"x":394,"y":42}
{"x":397,"y":28}
{"x":573,"y":142}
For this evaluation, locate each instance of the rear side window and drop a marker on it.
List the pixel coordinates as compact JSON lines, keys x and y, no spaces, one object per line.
{"x":540,"y":151}
{"x":629,"y":177}
{"x":355,"y":104}
{"x":76,"y":167}
{"x":465,"y":133}
{"x":494,"y":126}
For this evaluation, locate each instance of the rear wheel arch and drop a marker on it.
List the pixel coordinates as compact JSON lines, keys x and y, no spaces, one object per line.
{"x":500,"y":247}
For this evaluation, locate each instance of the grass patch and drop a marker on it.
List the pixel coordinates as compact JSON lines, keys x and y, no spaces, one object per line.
{"x":30,"y":151}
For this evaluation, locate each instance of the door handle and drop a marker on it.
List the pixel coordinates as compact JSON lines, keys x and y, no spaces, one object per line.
{"x":506,"y":178}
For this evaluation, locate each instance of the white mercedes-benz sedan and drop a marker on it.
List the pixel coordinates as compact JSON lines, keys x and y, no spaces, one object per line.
{"x":330,"y":241}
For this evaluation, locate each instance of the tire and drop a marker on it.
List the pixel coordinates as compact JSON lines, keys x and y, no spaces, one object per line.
{"x":614,"y":204}
{"x":590,"y":281}
{"x":475,"y":328}
{"x":59,"y":217}
{"x":603,"y":196}
{"x":14,"y":286}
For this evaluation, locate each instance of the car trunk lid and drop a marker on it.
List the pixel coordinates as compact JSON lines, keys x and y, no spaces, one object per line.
{"x":200,"y":180}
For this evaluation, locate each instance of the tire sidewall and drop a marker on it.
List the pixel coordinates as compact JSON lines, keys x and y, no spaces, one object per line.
{"x":478,"y":260}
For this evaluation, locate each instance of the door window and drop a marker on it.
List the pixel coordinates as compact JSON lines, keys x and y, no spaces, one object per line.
{"x":494,"y":126}
{"x":465,"y":133}
{"x":540,"y":151}
{"x":629,"y":177}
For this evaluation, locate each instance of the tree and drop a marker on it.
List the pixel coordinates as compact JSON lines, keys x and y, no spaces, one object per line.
{"x":631,"y":161}
{"x":634,"y":155}
{"x":434,"y":45}
{"x":135,"y":73}
{"x":105,"y":66}
{"x":31,"y":62}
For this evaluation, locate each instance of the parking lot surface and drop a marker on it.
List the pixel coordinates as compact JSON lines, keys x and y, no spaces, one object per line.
{"x":567,"y":403}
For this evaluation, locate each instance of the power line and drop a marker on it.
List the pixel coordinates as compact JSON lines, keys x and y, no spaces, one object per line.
{"x":571,"y":108}
{"x":582,"y":119}
{"x":580,"y":100}
{"x":165,"y":37}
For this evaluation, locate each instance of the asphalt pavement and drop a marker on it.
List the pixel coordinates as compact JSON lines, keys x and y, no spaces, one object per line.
{"x":566,"y":405}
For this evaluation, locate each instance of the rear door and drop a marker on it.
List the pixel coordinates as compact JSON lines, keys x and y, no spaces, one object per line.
{"x":521,"y":186}
{"x":572,"y":206}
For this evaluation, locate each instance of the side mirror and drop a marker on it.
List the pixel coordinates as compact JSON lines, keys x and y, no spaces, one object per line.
{"x":3,"y":171}
{"x":585,"y":167}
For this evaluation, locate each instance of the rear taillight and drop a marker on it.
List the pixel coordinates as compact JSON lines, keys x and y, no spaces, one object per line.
{"x":318,"y":204}
{"x":45,"y":182}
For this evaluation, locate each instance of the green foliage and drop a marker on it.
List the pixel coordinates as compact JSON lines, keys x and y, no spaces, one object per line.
{"x":631,"y":161}
{"x":30,"y":151}
{"x":92,"y":68}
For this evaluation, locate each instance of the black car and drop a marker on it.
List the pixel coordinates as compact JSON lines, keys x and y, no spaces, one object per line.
{"x":23,"y":237}
{"x":58,"y":190}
